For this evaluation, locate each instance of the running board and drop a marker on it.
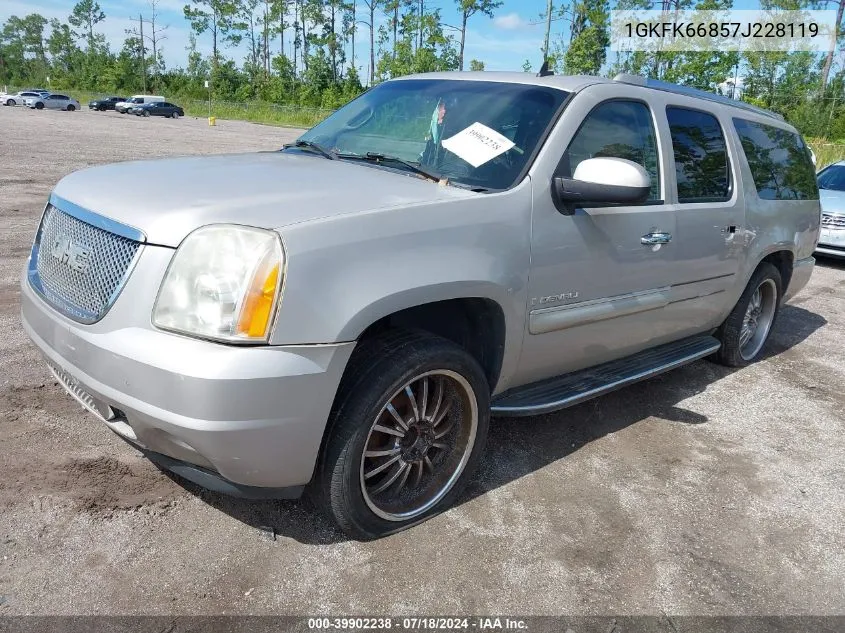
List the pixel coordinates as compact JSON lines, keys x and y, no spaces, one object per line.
{"x":564,"y":391}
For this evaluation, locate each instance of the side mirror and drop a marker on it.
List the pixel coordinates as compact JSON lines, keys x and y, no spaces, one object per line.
{"x":603,"y":181}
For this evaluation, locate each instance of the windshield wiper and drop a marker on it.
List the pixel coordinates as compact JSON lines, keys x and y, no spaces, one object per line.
{"x":376,"y":157}
{"x":312,"y":145}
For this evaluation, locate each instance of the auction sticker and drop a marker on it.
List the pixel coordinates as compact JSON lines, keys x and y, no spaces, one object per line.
{"x":478,"y":144}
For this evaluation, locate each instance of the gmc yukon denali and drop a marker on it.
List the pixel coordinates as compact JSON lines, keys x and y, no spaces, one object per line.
{"x":343,"y":316}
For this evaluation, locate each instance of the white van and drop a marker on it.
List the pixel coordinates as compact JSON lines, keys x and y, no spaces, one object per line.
{"x":123,"y":106}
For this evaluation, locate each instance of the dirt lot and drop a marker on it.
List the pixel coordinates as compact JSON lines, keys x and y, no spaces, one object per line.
{"x":705,"y":491}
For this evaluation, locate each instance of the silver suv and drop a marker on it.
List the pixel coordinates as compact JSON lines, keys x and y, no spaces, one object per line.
{"x":344,"y":316}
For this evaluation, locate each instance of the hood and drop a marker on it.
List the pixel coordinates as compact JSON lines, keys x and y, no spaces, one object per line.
{"x":169,"y":198}
{"x":832,"y":201}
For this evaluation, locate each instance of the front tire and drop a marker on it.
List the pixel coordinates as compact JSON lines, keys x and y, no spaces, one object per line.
{"x":71,"y":108}
{"x":175,"y":115}
{"x":406,"y":433}
{"x":39,"y":106}
{"x":146,"y":113}
{"x":746,"y":330}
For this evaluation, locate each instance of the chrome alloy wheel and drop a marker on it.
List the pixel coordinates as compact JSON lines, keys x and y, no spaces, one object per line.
{"x":419,"y":445}
{"x":758,"y":319}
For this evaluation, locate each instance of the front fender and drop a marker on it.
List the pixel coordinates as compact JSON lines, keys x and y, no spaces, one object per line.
{"x":346,"y":272}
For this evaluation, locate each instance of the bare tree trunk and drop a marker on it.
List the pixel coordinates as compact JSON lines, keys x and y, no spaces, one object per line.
{"x":422,"y":13}
{"x":283,"y":8}
{"x":828,"y":60}
{"x":372,"y":42}
{"x":265,"y":45}
{"x":334,"y":44}
{"x":548,"y":30}
{"x":304,"y":35}
{"x":463,"y":40}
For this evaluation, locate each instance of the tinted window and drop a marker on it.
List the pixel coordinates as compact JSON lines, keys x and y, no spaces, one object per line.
{"x":139,"y":101}
{"x":62,"y":97}
{"x":701,"y":158}
{"x":780,"y":162}
{"x":833,"y":178}
{"x":616,"y":129}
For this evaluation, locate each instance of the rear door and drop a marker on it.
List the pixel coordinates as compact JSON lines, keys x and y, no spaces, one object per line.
{"x":710,"y":212}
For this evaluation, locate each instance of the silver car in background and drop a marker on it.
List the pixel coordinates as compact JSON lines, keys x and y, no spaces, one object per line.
{"x":53,"y":102}
{"x":832,"y":195}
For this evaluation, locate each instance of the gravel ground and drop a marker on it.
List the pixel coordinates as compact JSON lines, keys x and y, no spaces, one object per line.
{"x":704,"y":491}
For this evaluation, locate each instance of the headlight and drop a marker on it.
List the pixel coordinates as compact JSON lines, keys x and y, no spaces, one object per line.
{"x":224,"y":283}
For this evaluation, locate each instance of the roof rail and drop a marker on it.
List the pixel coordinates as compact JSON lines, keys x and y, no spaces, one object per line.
{"x":637,"y":80}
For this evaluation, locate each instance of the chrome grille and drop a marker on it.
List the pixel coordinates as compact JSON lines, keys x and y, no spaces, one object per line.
{"x":79,"y":267}
{"x":833,"y":221}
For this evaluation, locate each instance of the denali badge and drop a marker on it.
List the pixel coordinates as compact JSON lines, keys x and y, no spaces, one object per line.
{"x":74,"y":255}
{"x":563,"y":296}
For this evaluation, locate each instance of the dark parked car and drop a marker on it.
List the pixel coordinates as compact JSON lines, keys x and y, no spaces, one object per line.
{"x":104,"y":104}
{"x":162,"y":108}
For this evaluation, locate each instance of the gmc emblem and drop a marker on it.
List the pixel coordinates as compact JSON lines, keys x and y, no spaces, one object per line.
{"x":74,"y":256}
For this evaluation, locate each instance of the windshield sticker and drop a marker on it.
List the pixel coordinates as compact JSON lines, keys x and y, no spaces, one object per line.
{"x":478,"y":144}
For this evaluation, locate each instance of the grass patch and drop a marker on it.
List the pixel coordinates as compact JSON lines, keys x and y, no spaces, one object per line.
{"x":826,"y":152}
{"x":255,"y":111}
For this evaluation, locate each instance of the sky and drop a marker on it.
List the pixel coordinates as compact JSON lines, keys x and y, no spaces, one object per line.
{"x":502,"y":43}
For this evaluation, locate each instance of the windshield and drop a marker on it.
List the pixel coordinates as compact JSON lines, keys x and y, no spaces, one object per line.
{"x":833,"y":178}
{"x":478,"y":133}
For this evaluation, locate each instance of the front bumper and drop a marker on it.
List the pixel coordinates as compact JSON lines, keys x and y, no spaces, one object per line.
{"x":252,"y":417}
{"x":831,"y":242}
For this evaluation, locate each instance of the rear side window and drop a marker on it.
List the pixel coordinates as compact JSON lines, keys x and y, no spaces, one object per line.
{"x":701,"y":157}
{"x":616,"y":129}
{"x":779,"y":161}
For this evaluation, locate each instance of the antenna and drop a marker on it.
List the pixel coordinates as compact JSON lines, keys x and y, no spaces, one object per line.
{"x":544,"y":69}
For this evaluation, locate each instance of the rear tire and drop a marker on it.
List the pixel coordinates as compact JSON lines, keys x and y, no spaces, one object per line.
{"x":146,"y":113}
{"x":746,"y":330}
{"x":10,"y":102}
{"x":406,"y":433}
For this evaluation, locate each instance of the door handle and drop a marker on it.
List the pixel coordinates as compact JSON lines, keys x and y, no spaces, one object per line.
{"x":656,"y":237}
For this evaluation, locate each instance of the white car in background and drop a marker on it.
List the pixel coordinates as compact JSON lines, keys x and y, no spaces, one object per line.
{"x":19,"y":98}
{"x":53,"y":102}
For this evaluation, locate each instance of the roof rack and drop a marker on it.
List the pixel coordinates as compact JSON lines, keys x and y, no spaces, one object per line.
{"x":637,"y":80}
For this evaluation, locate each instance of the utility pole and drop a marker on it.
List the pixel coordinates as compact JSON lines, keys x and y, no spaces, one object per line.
{"x":548,"y":30}
{"x":143,"y":56}
{"x":154,"y":38}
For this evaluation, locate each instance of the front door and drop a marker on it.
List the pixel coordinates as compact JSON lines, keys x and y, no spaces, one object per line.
{"x":599,"y":284}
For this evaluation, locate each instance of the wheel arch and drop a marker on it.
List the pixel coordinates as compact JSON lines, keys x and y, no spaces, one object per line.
{"x":783,"y":259}
{"x":475,"y":323}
